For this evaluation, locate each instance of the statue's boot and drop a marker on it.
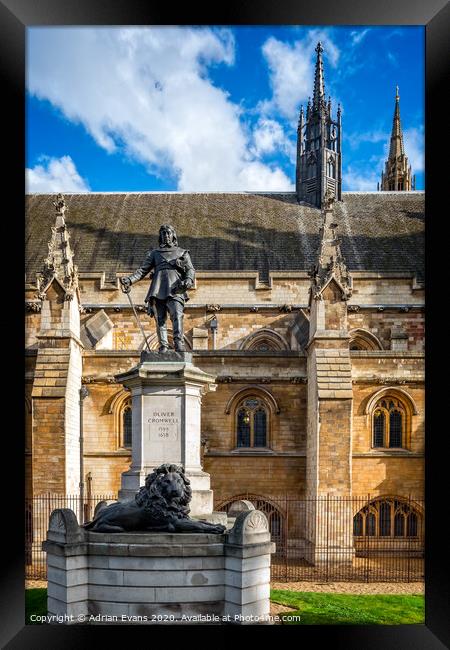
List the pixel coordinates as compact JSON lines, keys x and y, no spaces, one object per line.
{"x":179,"y":345}
{"x":162,"y":338}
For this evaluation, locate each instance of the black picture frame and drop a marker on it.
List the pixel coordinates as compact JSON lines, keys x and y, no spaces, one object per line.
{"x":16,"y":16}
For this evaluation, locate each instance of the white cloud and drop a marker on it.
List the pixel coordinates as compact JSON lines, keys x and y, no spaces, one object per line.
{"x":414,"y":148}
{"x":356,"y":139}
{"x":269,"y":137}
{"x":272,"y":180}
{"x":356,"y":179}
{"x":358,"y":36}
{"x":392,"y":59}
{"x":291,"y":70}
{"x":145,"y":92}
{"x":55,"y":175}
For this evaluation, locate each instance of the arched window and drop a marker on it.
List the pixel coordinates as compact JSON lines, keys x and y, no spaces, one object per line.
{"x":379,"y":426}
{"x":264,"y":340}
{"x":399,"y":525}
{"x":358,"y":525}
{"x":126,"y":430}
{"x":395,"y":428}
{"x":384,"y":518}
{"x":275,"y":524}
{"x":252,"y":419}
{"x":331,"y":168}
{"x":389,"y":423}
{"x":387,"y":517}
{"x":119,"y":406}
{"x":260,"y":427}
{"x":411,"y":525}
{"x":361,"y":339}
{"x":243,"y":428}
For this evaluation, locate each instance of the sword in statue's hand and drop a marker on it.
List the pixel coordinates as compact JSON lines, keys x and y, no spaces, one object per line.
{"x":126,"y":288}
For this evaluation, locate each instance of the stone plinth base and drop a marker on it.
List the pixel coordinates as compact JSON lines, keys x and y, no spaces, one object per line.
{"x":166,"y":391}
{"x":159,"y":577}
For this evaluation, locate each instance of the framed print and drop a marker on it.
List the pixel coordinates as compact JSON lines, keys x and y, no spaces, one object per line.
{"x":224,"y":342}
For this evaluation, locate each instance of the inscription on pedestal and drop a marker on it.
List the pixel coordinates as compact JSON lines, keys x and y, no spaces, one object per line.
{"x":163,"y":425}
{"x":162,"y":428}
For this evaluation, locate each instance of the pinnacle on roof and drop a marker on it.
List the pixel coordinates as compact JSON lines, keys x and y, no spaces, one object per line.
{"x":59,"y":262}
{"x":330,"y":262}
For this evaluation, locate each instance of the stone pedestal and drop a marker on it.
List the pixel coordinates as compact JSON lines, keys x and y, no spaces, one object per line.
{"x":166,"y":394}
{"x":159,"y":578}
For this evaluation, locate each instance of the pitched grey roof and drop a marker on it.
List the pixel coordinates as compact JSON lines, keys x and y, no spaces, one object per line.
{"x":380,"y":231}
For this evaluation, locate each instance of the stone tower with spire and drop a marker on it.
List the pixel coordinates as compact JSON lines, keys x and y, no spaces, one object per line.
{"x":319,"y":162}
{"x":397,"y":175}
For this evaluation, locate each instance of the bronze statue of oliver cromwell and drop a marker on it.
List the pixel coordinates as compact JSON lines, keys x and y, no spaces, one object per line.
{"x":172,"y":275}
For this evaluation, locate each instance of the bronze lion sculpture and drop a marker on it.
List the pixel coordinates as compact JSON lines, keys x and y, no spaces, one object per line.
{"x":159,"y":505}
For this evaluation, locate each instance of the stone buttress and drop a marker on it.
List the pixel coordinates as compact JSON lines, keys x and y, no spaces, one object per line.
{"x":328,"y":466}
{"x":57,"y":380}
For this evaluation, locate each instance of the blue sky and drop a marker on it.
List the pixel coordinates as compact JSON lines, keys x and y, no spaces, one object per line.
{"x":212,"y":108}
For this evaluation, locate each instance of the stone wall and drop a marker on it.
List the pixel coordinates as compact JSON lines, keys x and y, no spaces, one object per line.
{"x":287,"y":429}
{"x":281,"y":374}
{"x":261,"y":476}
{"x":211,"y":288}
{"x":384,"y":324}
{"x":373,"y":288}
{"x":388,"y":476}
{"x":49,"y":447}
{"x":334,"y":468}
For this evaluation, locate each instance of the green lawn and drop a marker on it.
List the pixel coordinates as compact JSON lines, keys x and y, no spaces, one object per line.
{"x":35,"y":603}
{"x":332,"y":609}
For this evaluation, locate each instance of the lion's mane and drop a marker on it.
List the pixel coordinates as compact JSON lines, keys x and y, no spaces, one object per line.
{"x":157,"y":507}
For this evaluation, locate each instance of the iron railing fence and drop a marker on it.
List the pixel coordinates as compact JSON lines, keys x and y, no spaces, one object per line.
{"x":322,"y":539}
{"x":37,"y":513}
{"x":333,"y":538}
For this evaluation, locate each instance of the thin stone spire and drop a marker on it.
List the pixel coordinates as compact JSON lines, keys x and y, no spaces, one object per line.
{"x":397,"y":176}
{"x":396,"y":147}
{"x":319,"y":84}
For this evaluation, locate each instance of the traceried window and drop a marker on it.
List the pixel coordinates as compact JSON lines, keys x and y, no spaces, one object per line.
{"x":387,"y":518}
{"x":252,"y":419}
{"x":389,"y":423}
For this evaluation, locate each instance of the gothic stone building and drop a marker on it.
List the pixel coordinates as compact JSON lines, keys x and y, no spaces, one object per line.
{"x":308,"y":307}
